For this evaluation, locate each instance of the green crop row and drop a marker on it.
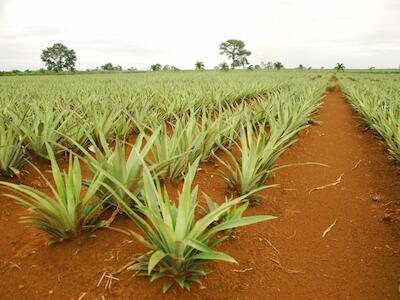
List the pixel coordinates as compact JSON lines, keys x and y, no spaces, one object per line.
{"x":134,"y":134}
{"x":377,"y":100}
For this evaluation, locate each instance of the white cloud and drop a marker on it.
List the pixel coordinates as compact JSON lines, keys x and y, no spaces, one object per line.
{"x":177,"y":32}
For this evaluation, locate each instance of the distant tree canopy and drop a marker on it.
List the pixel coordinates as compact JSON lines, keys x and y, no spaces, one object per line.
{"x":224,"y":66}
{"x":110,"y":67}
{"x":266,"y":66}
{"x":58,"y":58}
{"x":243,"y":61}
{"x":155,"y":67}
{"x":236,"y":51}
{"x":199,"y":65}
{"x":278,"y":65}
{"x":339,"y":67}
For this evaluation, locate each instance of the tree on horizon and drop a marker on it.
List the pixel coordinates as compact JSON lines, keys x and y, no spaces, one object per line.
{"x":58,"y":57}
{"x":236,"y":51}
{"x":199,"y":65}
{"x":224,"y":66}
{"x":278,"y":65}
{"x":155,"y":67}
{"x":340,"y":67}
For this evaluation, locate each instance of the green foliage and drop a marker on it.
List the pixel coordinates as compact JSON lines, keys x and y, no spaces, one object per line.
{"x":236,"y":51}
{"x":376,"y":100}
{"x":286,"y":113}
{"x":155,"y":67}
{"x":278,"y":65}
{"x":224,"y":67}
{"x":266,"y":66}
{"x":39,"y":125}
{"x":166,"y":68}
{"x":248,"y":173}
{"x":218,"y":131}
{"x":199,"y":65}
{"x":110,"y":67}
{"x":176,"y":120}
{"x":174,"y":152}
{"x":11,"y":151}
{"x":179,"y":245}
{"x":340,"y":67}
{"x":102,"y":121}
{"x":58,"y":57}
{"x":69,"y":211}
{"x":118,"y":167}
{"x":234,"y":213}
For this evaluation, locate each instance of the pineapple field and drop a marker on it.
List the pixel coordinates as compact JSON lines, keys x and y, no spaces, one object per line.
{"x":200,"y":185}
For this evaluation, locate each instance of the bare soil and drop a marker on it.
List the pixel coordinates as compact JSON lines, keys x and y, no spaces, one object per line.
{"x":287,"y":258}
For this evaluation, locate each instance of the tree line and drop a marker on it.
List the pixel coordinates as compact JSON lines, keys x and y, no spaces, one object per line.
{"x":59,"y":58}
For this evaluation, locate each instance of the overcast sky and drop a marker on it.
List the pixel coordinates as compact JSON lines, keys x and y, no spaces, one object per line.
{"x":359,"y":33}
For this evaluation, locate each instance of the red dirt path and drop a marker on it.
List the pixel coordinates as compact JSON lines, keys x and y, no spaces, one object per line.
{"x":282,"y":259}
